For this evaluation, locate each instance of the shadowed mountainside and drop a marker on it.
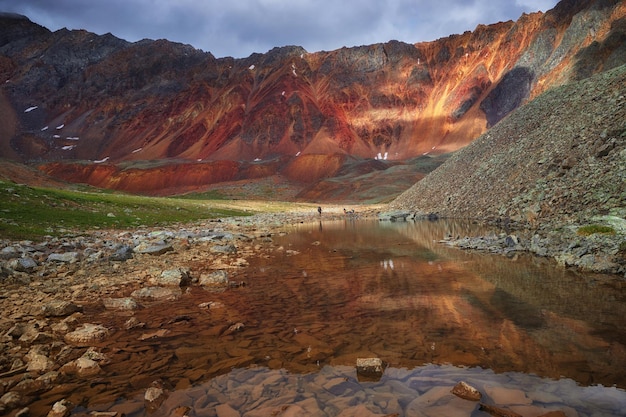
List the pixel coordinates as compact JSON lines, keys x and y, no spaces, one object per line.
{"x":156,"y":116}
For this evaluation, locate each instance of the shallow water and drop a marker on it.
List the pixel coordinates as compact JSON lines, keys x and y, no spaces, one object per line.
{"x":529,"y":335}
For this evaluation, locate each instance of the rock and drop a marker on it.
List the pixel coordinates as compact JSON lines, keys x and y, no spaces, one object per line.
{"x":87,"y":367}
{"x":497,"y":411}
{"x":23,"y":264}
{"x":59,"y":308}
{"x":237,"y":327}
{"x":24,"y":412}
{"x":467,"y":392}
{"x":60,"y":409}
{"x":133,"y":323}
{"x":172,"y":277}
{"x":12,"y":400}
{"x":122,"y":253}
{"x":154,"y":397}
{"x":153,"y":248}
{"x":68,"y":257}
{"x":87,"y":334}
{"x":124,"y":304}
{"x":399,"y":215}
{"x":156,"y":293}
{"x":370,"y":368}
{"x":224,"y":249}
{"x":214,"y":278}
{"x":38,"y":361}
{"x":9,"y":252}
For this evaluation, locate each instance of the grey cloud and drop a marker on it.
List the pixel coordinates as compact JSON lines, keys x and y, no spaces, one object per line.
{"x":241,"y":27}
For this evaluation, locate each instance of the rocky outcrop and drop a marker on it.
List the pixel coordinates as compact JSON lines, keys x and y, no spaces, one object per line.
{"x":74,"y":95}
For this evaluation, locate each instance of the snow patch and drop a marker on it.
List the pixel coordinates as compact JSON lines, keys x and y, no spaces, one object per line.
{"x":298,"y":154}
{"x":72,"y":138}
{"x":59,"y":127}
{"x":251,"y":67}
{"x":99,"y":161}
{"x":137,"y":150}
{"x":28,"y":110}
{"x":257,"y":159}
{"x":68,"y":147}
{"x":44,"y":128}
{"x":56,"y":136}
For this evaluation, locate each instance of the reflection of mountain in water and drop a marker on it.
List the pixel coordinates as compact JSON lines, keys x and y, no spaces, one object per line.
{"x":521,"y":314}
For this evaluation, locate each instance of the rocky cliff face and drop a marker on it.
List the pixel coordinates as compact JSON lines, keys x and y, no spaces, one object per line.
{"x":73,"y":95}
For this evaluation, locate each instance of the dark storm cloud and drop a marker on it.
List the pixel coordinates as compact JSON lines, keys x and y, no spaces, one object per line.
{"x":241,"y":27}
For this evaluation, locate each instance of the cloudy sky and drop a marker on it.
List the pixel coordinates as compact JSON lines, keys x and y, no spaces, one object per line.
{"x":240,"y":27}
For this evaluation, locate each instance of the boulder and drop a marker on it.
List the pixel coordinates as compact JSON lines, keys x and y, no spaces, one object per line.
{"x":124,"y":304}
{"x":177,"y":277}
{"x":214,"y":278}
{"x":224,"y":249}
{"x":60,"y":308}
{"x":156,"y":293}
{"x":23,"y":264}
{"x":67,"y":257}
{"x":87,"y":334}
{"x":122,"y":253}
{"x":153,"y":248}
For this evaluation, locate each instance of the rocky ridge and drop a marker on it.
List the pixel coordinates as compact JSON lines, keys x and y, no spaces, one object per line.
{"x":550,"y":167}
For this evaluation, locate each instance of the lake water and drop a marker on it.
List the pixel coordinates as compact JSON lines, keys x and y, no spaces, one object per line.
{"x":531,"y":336}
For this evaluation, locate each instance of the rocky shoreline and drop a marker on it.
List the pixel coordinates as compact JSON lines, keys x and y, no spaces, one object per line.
{"x":53,"y":289}
{"x":601,"y":252}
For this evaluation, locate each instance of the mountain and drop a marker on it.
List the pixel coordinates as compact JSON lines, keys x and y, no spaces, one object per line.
{"x":159,"y":117}
{"x":547,"y":162}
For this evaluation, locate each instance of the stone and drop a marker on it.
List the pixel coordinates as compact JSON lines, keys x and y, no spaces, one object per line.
{"x":38,"y":362}
{"x":177,"y":277}
{"x":122,"y":253}
{"x":9,"y":252}
{"x":154,"y":249}
{"x":60,"y":409}
{"x":497,"y":411}
{"x":87,"y":334}
{"x":214,"y":278}
{"x":224,"y":249}
{"x":60,"y":308}
{"x":467,"y":392}
{"x":12,"y":400}
{"x":23,"y":264}
{"x":370,"y":368}
{"x":86,"y":367}
{"x":501,"y":395}
{"x":123,"y":304}
{"x":225,"y":410}
{"x":154,"y":397}
{"x":156,"y":293}
{"x":67,"y":257}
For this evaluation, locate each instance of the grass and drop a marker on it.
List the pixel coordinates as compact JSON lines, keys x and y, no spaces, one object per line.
{"x":33,"y":212}
{"x":595,"y":228}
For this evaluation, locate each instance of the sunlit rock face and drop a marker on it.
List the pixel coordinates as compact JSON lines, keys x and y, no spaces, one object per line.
{"x":73,"y":95}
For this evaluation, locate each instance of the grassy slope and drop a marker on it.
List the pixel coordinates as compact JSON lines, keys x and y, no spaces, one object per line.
{"x":33,"y":212}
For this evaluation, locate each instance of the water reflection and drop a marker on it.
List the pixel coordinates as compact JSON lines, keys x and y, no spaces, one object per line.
{"x":333,"y":292}
{"x":422,"y":391}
